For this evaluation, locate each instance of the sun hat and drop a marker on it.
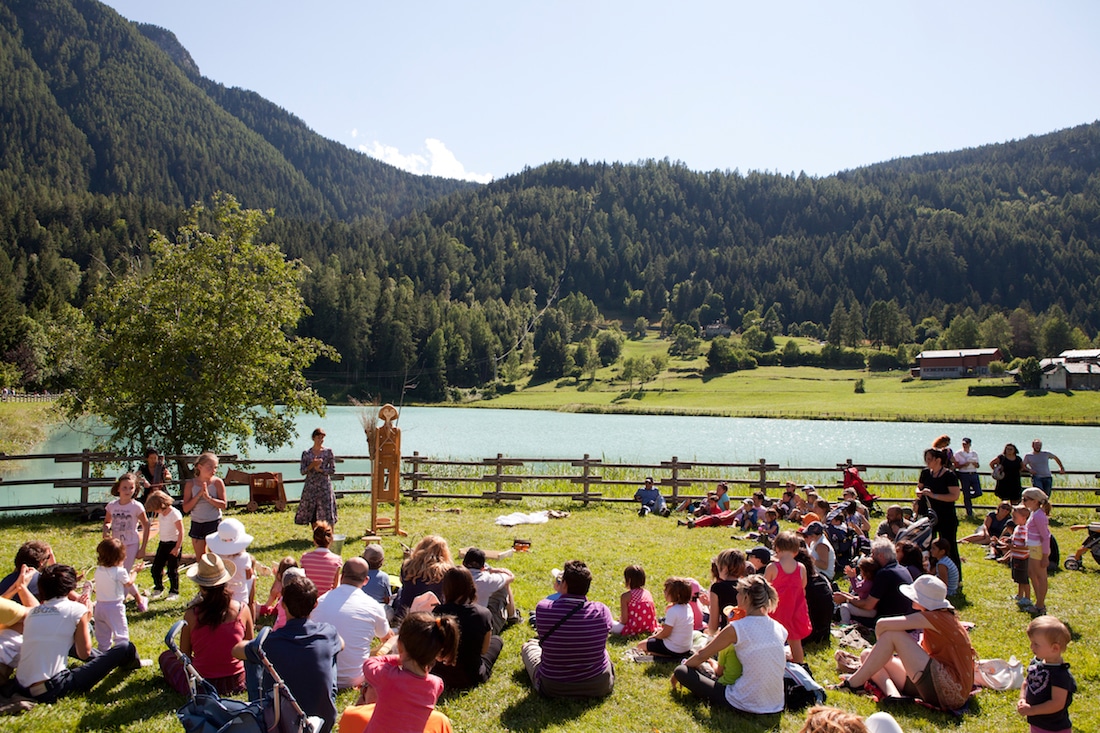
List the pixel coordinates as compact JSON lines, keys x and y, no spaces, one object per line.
{"x":210,"y":570}
{"x":928,"y":591}
{"x":229,"y":539}
{"x":809,"y":487}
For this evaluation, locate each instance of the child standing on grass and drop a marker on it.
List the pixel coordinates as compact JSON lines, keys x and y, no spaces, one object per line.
{"x":112,"y":584}
{"x":637,"y":612}
{"x":204,"y":499}
{"x":1048,"y":690}
{"x":124,"y":516}
{"x":674,"y":638}
{"x":789,"y":578}
{"x":944,"y":567}
{"x":1038,"y":546}
{"x":1017,"y":556}
{"x":399,"y":691}
{"x":170,"y":545}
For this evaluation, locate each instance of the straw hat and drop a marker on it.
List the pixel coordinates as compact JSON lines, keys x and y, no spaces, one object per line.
{"x":210,"y":570}
{"x":229,"y":539}
{"x":927,"y":591}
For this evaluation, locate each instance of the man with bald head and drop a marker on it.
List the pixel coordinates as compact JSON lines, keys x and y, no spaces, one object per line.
{"x":358,"y":619}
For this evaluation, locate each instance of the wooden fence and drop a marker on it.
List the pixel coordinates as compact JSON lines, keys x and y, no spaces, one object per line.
{"x":504,"y":478}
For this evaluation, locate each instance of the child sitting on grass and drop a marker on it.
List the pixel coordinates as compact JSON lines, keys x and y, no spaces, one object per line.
{"x":943,"y":567}
{"x":273,"y":606}
{"x":321,"y":565}
{"x":378,"y":580}
{"x":637,"y":612}
{"x":726,"y":568}
{"x":674,"y":638}
{"x":1048,"y":690}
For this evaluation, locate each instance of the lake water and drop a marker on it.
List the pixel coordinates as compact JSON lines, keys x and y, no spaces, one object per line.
{"x":442,"y":432}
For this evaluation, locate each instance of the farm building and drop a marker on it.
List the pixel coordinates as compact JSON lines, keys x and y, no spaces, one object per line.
{"x":954,"y":363}
{"x":1073,"y":369}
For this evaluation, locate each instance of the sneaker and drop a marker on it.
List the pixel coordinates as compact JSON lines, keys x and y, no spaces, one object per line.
{"x":142,"y":604}
{"x":156,"y":594}
{"x":666,"y":512}
{"x":173,"y":596}
{"x":691,"y":524}
{"x":1022,"y":602}
{"x":643,"y":511}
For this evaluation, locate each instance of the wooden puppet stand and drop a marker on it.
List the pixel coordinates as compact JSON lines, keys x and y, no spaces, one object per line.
{"x":386,"y":475}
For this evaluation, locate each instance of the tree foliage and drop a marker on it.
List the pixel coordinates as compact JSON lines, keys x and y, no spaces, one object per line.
{"x":192,"y":353}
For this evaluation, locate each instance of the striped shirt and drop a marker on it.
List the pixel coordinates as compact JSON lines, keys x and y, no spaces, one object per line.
{"x":577,"y":651}
{"x":320,"y":566}
{"x":952,"y":574}
{"x":1019,"y":543}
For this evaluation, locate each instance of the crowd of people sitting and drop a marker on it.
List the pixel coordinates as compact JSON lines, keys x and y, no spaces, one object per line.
{"x":346,"y":624}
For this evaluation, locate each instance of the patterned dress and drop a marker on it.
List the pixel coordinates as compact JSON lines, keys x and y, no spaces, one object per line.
{"x":318,"y":502}
{"x":641,"y":614}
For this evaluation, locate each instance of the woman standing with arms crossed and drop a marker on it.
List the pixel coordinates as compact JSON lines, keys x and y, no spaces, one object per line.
{"x":204,"y":498}
{"x":318,"y":503}
{"x":939,"y":486}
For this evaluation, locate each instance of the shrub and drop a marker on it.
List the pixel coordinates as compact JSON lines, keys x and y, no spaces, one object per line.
{"x":860,"y":386}
{"x":881,"y":361}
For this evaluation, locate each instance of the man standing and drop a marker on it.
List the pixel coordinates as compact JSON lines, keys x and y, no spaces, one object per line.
{"x":966,"y":466}
{"x":569,"y":658}
{"x":494,"y":588}
{"x":1037,"y":463}
{"x":358,"y":619}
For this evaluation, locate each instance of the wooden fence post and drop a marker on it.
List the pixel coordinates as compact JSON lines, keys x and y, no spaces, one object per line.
{"x":85,"y":475}
{"x":415,"y":461}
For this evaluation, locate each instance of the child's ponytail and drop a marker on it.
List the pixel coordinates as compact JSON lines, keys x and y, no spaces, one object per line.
{"x":428,"y":639}
{"x":447,"y":628}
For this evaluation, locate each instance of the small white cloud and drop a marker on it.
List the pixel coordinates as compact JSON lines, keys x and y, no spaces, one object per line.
{"x":355,"y":132}
{"x":436,"y":160}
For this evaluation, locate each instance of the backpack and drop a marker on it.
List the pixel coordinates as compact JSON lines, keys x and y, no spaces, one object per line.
{"x":800,"y":690}
{"x":919,"y":532}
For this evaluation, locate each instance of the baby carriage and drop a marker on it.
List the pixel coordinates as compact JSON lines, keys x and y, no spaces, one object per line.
{"x":1091,"y":544}
{"x":853,"y":481}
{"x":206,"y":712}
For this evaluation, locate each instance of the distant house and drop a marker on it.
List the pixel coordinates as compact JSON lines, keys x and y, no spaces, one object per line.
{"x":716,"y":329}
{"x":1072,"y":369}
{"x":954,"y":363}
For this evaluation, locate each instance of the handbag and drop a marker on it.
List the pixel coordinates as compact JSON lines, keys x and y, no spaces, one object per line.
{"x":999,"y":472}
{"x":999,"y":674}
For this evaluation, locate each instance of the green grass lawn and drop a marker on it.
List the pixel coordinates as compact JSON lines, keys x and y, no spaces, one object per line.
{"x":607,"y":537}
{"x":798,"y":392}
{"x":25,"y":424}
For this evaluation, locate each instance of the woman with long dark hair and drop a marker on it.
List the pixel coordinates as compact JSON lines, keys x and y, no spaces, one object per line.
{"x":478,"y":648}
{"x":939,"y":486}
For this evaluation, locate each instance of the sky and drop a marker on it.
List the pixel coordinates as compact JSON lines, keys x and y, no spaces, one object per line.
{"x":481,"y":90}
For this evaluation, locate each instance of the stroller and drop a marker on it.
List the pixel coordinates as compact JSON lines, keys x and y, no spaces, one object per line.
{"x":919,"y":532}
{"x":1090,"y":545}
{"x":853,"y":481}
{"x":206,"y":712}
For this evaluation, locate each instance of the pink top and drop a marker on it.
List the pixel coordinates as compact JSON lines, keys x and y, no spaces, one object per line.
{"x":641,"y":613}
{"x":1038,"y":530}
{"x":124,"y":521}
{"x":405,"y":701}
{"x":211,"y":648}
{"x":321,"y":566}
{"x":792,"y":611}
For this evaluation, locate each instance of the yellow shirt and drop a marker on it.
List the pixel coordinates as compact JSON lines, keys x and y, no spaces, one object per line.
{"x":11,"y":613}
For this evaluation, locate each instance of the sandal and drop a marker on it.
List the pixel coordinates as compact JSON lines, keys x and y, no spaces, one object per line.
{"x":845,"y":684}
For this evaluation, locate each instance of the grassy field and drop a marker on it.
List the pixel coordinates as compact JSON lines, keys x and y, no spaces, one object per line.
{"x":800,"y":392}
{"x":25,"y":424}
{"x":607,"y":537}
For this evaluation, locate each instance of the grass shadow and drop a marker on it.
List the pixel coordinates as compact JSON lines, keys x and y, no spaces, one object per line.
{"x":1035,"y":393}
{"x":724,"y":719}
{"x":530,"y":713}
{"x":124,"y":697}
{"x":291,"y":546}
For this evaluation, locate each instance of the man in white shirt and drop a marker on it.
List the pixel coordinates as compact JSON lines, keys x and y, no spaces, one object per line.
{"x":966,"y":467}
{"x":494,"y":588}
{"x":358,"y":619}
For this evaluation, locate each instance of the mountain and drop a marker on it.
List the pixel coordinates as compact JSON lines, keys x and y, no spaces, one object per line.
{"x":108,"y":129}
{"x":103,"y":105}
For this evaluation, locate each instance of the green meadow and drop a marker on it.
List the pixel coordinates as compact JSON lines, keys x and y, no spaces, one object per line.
{"x":607,"y":537}
{"x":793,"y":392}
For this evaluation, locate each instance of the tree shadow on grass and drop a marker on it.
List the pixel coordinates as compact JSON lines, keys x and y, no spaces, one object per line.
{"x":125,"y":697}
{"x":291,"y":546}
{"x":725,"y":719}
{"x":532,"y":712}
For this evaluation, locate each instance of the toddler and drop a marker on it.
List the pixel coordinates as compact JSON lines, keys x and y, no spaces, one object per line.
{"x":1017,"y":556}
{"x":170,"y":545}
{"x":943,"y":566}
{"x":399,"y":690}
{"x":112,"y":584}
{"x":861,"y":588}
{"x":1048,"y":690}
{"x":229,"y":543}
{"x":637,"y":612}
{"x":322,"y":566}
{"x":124,"y":516}
{"x":378,"y":581}
{"x":789,"y":578}
{"x":769,"y":528}
{"x":674,"y":638}
{"x":287,"y":567}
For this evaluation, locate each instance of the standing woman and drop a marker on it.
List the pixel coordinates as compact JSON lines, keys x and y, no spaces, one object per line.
{"x":939,"y":486}
{"x":318,"y":503}
{"x":1010,"y":465}
{"x":204,"y":498}
{"x":154,"y":474}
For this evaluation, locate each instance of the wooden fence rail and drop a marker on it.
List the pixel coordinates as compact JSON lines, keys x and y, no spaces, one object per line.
{"x":509,"y":478}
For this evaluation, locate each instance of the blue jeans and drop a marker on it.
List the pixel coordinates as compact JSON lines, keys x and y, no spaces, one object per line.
{"x":1046,"y":483}
{"x":971,"y":487}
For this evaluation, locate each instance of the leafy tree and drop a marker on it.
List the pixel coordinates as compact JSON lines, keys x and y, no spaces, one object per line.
{"x":641,"y":325}
{"x":756,"y":340}
{"x":1024,"y":336}
{"x":996,"y":333}
{"x":609,"y":346}
{"x":928,"y":328}
{"x":685,"y":341}
{"x":1030,"y":372}
{"x":193,"y":353}
{"x":1057,"y":334}
{"x":668,"y":322}
{"x":551,"y":356}
{"x":587,"y":358}
{"x":713,"y":309}
{"x":792,"y":355}
{"x":963,"y":333}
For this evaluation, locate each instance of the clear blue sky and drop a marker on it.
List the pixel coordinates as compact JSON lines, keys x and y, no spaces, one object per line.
{"x":486,"y":88}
